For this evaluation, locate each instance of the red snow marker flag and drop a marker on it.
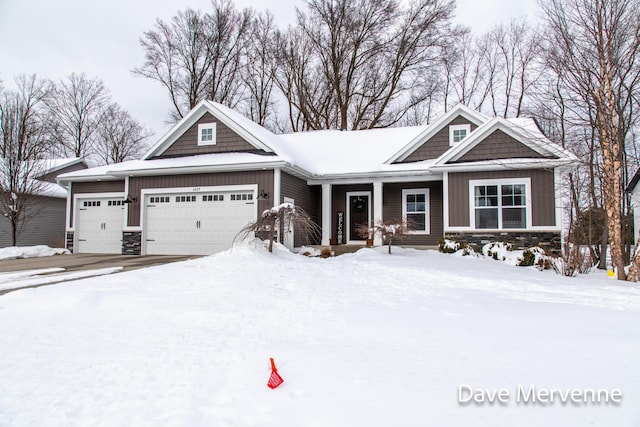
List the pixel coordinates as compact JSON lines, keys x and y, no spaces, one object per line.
{"x":275,"y":379}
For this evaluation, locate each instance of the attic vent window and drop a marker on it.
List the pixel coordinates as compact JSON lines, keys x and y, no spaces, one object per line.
{"x":207,"y":134}
{"x":457,"y":133}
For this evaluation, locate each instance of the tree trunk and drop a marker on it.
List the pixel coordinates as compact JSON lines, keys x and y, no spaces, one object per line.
{"x":604,"y":241}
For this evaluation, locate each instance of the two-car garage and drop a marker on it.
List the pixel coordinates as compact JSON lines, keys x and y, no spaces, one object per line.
{"x":200,"y":221}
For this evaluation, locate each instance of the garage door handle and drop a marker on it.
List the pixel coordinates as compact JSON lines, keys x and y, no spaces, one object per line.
{"x":82,"y":240}
{"x":151,"y":240}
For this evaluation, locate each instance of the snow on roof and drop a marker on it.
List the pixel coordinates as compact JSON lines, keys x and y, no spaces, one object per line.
{"x":329,"y":152}
{"x":193,"y":163}
{"x":261,"y":133}
{"x":323,"y":153}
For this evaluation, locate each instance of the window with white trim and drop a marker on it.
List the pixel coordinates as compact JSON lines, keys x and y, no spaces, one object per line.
{"x":207,"y":134}
{"x":457,"y":133}
{"x":500,"y":205}
{"x":415,"y":209}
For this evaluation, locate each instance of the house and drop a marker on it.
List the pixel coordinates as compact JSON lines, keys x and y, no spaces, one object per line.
{"x":634,"y":190}
{"x":465,"y":176}
{"x":45,"y":216}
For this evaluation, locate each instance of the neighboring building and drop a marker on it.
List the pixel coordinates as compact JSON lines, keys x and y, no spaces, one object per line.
{"x":45,"y":224}
{"x":634,"y":190}
{"x":464,"y":176}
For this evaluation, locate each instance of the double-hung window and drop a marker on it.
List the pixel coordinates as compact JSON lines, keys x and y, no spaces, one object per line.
{"x":415,"y":209}
{"x":500,"y":205}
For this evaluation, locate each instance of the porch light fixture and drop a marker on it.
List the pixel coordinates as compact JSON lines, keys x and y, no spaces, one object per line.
{"x":263,"y":195}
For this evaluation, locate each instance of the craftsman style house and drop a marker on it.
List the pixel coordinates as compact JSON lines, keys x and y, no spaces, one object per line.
{"x":465,"y":176}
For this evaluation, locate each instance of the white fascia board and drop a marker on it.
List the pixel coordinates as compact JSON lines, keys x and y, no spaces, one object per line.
{"x":385,"y":178}
{"x":186,"y":170}
{"x":473,"y":116}
{"x":492,"y":165}
{"x":89,"y":178}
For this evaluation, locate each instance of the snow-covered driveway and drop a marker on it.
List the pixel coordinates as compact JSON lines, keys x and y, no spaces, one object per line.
{"x":365,"y":339}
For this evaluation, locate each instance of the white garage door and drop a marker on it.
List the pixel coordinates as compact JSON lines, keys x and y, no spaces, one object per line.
{"x":99,"y":223}
{"x":196,"y":224}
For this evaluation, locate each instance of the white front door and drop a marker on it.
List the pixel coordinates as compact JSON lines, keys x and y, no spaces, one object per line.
{"x":99,"y":223}
{"x":199,"y":223}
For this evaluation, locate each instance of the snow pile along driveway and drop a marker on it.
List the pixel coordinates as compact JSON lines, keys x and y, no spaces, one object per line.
{"x":17,"y":252}
{"x":366,"y":339}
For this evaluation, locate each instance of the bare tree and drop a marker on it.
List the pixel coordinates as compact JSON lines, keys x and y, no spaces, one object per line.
{"x":496,"y":71}
{"x":76,"y":107}
{"x":120,"y":137}
{"x":361,"y":64}
{"x":198,"y":56}
{"x":23,"y":143}
{"x":595,"y":43}
{"x":259,"y":74}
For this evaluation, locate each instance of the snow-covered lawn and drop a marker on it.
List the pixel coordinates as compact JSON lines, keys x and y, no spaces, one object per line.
{"x":366,"y":339}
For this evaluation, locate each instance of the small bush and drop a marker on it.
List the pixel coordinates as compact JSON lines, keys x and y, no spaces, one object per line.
{"x":447,"y":246}
{"x":326,"y":253}
{"x":528,"y":259}
{"x":496,"y":250}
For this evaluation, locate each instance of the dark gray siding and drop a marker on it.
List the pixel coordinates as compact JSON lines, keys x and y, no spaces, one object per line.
{"x":392,"y":210}
{"x":95,"y":187}
{"x":264,"y":180}
{"x":498,"y":145}
{"x":226,"y":141}
{"x":542,"y":194}
{"x":438,"y":144}
{"x":44,"y":224}
{"x":305,"y":196}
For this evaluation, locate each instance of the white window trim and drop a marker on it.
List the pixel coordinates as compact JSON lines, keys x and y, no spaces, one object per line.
{"x":204,"y":126}
{"x":453,"y":128}
{"x":427,"y":222}
{"x":508,"y":181}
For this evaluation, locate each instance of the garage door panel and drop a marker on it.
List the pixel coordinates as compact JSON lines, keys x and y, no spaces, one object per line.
{"x":99,"y":223}
{"x":199,"y":224}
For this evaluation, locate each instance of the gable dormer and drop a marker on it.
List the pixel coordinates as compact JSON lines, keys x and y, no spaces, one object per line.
{"x":443,"y":134}
{"x":211,"y":128}
{"x":498,"y":145}
{"x":207,"y":135}
{"x":452,"y":133}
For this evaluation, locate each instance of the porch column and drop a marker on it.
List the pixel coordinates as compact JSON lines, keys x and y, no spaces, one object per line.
{"x":326,"y":214}
{"x":377,"y":210}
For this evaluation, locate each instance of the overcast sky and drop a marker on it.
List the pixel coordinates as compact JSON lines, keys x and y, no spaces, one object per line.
{"x":54,"y":38}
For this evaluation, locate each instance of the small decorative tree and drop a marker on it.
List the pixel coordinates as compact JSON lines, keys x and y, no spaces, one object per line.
{"x":277,"y":218}
{"x":390,"y":231}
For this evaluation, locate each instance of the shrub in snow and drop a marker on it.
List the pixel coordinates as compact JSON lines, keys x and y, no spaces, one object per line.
{"x":447,"y":246}
{"x":497,"y":250}
{"x":390,"y":231}
{"x":531,"y":256}
{"x":572,"y":261}
{"x":277,"y":218}
{"x":326,"y":253}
